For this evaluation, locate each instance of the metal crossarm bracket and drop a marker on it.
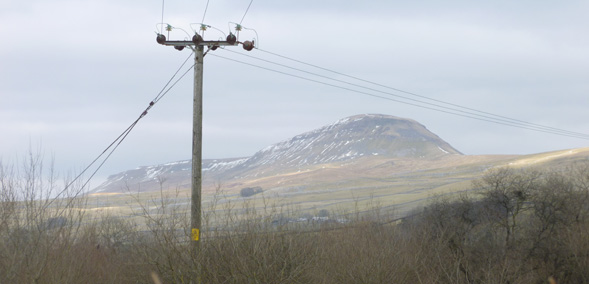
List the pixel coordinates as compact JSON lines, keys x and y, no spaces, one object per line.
{"x":202,"y":43}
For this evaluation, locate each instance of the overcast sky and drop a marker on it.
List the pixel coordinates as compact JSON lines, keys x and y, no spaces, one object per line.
{"x":75,"y":74}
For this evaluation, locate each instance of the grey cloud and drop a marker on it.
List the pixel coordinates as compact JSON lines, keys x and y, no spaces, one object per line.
{"x":80,"y":79}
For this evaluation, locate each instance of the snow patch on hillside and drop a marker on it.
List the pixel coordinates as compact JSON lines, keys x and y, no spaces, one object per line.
{"x":223,"y":165}
{"x":443,"y":150}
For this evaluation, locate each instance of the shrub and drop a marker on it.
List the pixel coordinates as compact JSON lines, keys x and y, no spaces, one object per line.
{"x":516,"y":227}
{"x":250,"y":191}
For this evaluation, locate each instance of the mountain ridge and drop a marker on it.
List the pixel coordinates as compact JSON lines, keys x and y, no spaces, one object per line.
{"x":348,"y":139}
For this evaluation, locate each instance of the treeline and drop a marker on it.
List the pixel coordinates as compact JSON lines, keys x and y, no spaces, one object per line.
{"x":515,"y":226}
{"x":520,"y":226}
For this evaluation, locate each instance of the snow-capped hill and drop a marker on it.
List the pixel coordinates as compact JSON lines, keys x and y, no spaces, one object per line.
{"x":353,"y":137}
{"x":148,"y":178}
{"x":360,"y":136}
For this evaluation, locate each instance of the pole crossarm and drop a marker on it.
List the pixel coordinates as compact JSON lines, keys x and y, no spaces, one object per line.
{"x":202,"y":43}
{"x":197,"y":40}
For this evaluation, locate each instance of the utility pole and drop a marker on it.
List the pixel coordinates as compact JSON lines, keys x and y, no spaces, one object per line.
{"x":197,"y":44}
{"x":196,"y":178}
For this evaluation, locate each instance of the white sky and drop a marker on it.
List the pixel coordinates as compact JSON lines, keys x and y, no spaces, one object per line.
{"x":75,"y":74}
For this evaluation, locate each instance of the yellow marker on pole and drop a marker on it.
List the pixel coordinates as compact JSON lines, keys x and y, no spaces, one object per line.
{"x":195,"y":234}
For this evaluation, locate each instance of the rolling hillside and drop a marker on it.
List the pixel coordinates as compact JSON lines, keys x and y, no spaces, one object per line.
{"x":351,"y":163}
{"x":361,"y":137}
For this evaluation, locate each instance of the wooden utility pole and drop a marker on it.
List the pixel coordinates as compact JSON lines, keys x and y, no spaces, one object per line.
{"x":195,"y":208}
{"x":197,"y":45}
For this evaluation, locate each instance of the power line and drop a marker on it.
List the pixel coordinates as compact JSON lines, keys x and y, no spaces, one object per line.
{"x":379,"y":91}
{"x":161,"y":94}
{"x":205,"y":13}
{"x":123,"y":135}
{"x":162,"y":26}
{"x":143,"y":114}
{"x":500,"y":117}
{"x":246,"y":10}
{"x":468,"y":111}
{"x":448,"y":111}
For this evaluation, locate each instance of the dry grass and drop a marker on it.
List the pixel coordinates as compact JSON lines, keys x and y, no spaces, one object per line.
{"x":523,"y":227}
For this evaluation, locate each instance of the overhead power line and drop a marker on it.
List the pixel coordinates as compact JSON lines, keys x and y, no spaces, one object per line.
{"x":455,"y":107}
{"x":420,"y":96}
{"x":123,"y":135}
{"x":246,"y":10}
{"x":117,"y":142}
{"x":162,"y":23}
{"x":205,"y":13}
{"x":455,"y":110}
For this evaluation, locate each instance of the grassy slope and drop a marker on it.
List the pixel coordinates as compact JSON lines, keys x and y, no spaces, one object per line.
{"x":399,"y":184}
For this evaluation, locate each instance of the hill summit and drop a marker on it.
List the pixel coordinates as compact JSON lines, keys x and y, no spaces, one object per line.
{"x":353,"y":137}
{"x":357,"y":136}
{"x":361,"y":136}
